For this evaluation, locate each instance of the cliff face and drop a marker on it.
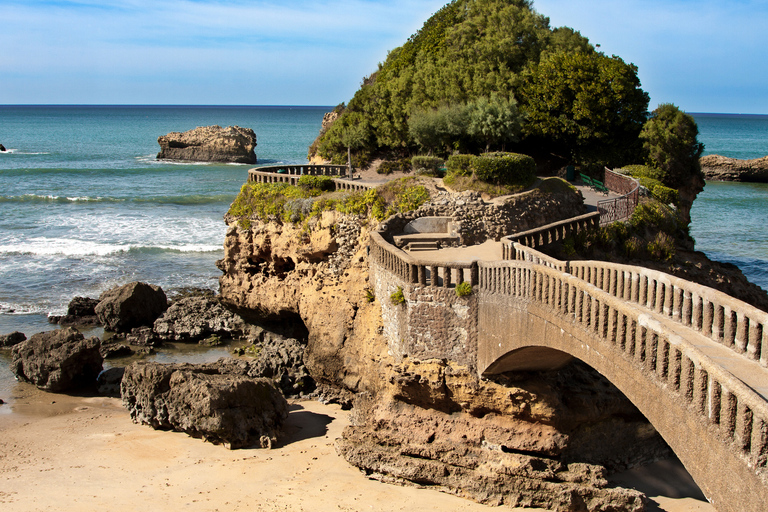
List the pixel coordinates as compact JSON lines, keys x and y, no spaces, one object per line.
{"x":209,"y":144}
{"x":433,"y":422}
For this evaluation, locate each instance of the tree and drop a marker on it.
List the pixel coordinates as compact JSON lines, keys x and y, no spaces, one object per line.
{"x":494,"y":121}
{"x":439,"y":128}
{"x":585,"y":105}
{"x":670,"y":137}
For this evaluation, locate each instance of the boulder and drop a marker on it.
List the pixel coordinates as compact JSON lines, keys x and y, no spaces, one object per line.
{"x":136,"y":304}
{"x":282,"y":360}
{"x":58,"y":360}
{"x":2,"y":148}
{"x":721,"y":168}
{"x":195,"y":318}
{"x":205,"y":401}
{"x":9,"y":340}
{"x":232,"y":144}
{"x":109,"y":381}
{"x":81,"y":311}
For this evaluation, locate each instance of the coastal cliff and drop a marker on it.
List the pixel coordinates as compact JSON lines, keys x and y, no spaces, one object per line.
{"x":524,"y":441}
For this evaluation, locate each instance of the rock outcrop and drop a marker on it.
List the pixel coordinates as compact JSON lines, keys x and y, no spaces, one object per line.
{"x":195,"y":318}
{"x":431,"y":423}
{"x":232,"y":144}
{"x":132,"y":305}
{"x":216,"y":402}
{"x":14,"y":338}
{"x":722,"y":168}
{"x":58,"y":360}
{"x":2,"y":148}
{"x":80,"y":311}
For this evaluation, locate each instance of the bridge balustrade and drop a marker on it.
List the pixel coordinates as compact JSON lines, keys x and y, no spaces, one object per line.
{"x":551,"y":233}
{"x":664,"y":355}
{"x":718,"y":316}
{"x":420,"y":272}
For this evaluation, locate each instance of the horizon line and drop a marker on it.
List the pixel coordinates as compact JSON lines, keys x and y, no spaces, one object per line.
{"x":209,"y":105}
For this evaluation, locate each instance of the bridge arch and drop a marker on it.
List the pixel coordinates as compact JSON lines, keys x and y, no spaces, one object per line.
{"x":716,"y":425}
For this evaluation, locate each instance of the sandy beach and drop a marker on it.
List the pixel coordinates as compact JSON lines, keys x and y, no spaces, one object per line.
{"x":68,"y":453}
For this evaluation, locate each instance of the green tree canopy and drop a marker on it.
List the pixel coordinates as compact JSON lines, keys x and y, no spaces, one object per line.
{"x":585,"y":104}
{"x":671,"y":139}
{"x":480,"y":58}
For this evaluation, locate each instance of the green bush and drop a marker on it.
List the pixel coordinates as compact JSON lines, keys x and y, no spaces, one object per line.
{"x":662,"y":248}
{"x":430,"y":163}
{"x":386,"y":167}
{"x":318,"y":183}
{"x":459,"y":165}
{"x":463,"y":289}
{"x":505,"y":168}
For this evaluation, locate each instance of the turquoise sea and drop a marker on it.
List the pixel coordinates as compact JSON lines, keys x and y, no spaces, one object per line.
{"x":728,"y":220}
{"x":84,"y":205}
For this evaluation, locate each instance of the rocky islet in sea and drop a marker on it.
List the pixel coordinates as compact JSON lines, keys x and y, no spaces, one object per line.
{"x":232,"y":144}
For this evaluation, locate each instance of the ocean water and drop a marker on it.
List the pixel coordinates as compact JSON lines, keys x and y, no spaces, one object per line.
{"x":728,"y":220}
{"x":84,"y":204}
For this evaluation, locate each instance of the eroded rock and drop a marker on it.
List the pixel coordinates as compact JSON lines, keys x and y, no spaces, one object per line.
{"x":58,"y":360}
{"x":205,"y":401}
{"x":14,"y":338}
{"x":232,"y":144}
{"x":136,"y":304}
{"x":722,"y":168}
{"x":193,"y":319}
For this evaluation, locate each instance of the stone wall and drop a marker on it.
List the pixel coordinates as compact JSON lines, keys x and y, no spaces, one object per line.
{"x":432,"y":323}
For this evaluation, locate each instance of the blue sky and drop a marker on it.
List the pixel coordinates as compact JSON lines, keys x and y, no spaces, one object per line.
{"x":704,"y":56}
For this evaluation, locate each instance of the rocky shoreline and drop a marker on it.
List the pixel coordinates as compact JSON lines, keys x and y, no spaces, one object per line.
{"x":721,"y":168}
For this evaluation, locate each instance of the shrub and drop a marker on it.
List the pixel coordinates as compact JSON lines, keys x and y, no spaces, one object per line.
{"x":662,"y":248}
{"x":431,"y":163}
{"x":369,"y":295}
{"x":459,"y":165}
{"x":397,"y":298}
{"x":505,"y":169}
{"x":386,"y":167}
{"x":463,"y":289}
{"x":316,"y":183}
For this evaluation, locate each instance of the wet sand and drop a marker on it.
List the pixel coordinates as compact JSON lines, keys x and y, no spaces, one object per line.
{"x":65,"y":453}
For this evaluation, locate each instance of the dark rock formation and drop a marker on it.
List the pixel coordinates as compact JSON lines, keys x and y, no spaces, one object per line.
{"x":14,"y":338}
{"x":136,"y":304}
{"x":193,"y":319}
{"x":2,"y":148}
{"x":205,"y":401}
{"x":210,"y":144}
{"x":58,"y":360}
{"x":114,"y":349}
{"x":722,"y":168}
{"x":81,"y":311}
{"x":109,"y":382}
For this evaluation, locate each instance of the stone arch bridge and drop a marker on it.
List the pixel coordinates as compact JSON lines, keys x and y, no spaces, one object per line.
{"x":693,"y":360}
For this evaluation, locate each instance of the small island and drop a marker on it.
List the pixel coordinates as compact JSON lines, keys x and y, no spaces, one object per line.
{"x":232,"y":144}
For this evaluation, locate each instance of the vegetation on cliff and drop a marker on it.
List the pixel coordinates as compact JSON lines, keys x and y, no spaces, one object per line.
{"x":283,"y":202}
{"x":492,"y":74}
